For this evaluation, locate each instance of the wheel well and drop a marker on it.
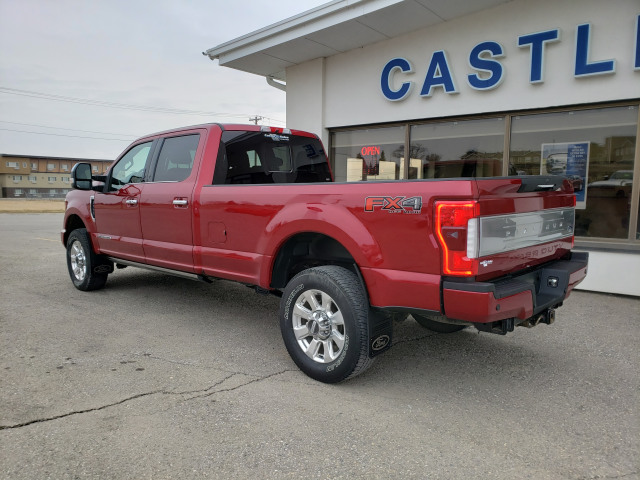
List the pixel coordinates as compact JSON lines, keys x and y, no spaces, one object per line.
{"x":73,"y":223}
{"x":307,"y":250}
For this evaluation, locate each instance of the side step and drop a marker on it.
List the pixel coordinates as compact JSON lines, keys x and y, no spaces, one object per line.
{"x":168,"y":271}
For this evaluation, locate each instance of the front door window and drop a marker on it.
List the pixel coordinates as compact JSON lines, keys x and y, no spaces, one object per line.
{"x":131,"y":167}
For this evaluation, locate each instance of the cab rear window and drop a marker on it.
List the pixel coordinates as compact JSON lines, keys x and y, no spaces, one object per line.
{"x":263,"y":158}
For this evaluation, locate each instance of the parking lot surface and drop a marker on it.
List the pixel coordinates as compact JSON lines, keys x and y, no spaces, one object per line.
{"x":160,"y":377}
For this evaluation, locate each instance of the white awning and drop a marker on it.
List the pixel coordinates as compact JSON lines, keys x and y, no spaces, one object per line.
{"x":333,"y":28}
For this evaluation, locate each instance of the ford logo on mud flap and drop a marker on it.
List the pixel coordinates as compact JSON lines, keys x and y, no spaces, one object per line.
{"x":379,"y":343}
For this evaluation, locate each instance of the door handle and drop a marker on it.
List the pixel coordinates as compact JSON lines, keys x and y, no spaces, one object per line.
{"x":131,"y":201}
{"x":181,"y":202}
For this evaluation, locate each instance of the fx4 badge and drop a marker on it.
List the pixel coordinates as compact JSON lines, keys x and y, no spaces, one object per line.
{"x":411,"y":205}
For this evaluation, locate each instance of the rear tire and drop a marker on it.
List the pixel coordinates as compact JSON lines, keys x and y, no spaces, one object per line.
{"x":438,"y":327}
{"x":82,"y":262}
{"x":324,"y":323}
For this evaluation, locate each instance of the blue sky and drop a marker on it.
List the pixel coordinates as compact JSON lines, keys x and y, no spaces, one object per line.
{"x":62,"y":61}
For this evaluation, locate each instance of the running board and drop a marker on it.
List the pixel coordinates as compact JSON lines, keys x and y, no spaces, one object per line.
{"x":168,"y":271}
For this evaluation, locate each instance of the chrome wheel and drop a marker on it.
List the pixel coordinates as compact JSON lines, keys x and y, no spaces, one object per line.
{"x":324,"y":320}
{"x":318,"y":326}
{"x":78,"y":261}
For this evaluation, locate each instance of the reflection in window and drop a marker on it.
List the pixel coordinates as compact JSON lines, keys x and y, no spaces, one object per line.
{"x":470,"y":148}
{"x":372,"y":154}
{"x":130,"y":168}
{"x":263,"y":158}
{"x":601,"y":173}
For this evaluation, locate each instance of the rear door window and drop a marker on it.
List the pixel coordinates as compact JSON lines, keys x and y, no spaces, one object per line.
{"x":175,"y":160}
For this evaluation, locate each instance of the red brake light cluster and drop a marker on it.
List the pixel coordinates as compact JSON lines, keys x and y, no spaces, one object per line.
{"x":452,"y":230}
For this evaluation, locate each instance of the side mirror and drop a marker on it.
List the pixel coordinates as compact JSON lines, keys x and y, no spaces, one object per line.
{"x":81,"y":176}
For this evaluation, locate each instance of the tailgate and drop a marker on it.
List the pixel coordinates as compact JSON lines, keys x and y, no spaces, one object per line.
{"x":523,"y":222}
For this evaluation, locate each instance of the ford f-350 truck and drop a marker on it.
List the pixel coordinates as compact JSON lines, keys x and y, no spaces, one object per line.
{"x":258,"y":205}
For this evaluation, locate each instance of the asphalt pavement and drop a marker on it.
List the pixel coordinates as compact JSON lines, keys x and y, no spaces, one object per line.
{"x":160,"y":377}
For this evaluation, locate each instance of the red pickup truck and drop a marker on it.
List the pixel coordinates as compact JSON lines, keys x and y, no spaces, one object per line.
{"x":258,"y":205}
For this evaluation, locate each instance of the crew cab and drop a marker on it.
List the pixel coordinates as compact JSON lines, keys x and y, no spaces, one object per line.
{"x":258,"y":205}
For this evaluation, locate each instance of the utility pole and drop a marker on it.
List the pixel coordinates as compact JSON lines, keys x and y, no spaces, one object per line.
{"x":255,"y":119}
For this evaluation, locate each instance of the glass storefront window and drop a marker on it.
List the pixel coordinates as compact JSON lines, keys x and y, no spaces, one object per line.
{"x":468,"y":148}
{"x":595,"y":149}
{"x":368,"y":154}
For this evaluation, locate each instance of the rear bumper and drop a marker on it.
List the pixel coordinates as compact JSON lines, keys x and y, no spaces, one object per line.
{"x":519,"y":297}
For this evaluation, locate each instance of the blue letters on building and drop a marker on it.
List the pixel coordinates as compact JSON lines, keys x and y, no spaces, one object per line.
{"x":385,"y":80}
{"x":583,"y":66}
{"x":489,"y":72}
{"x":636,"y":64}
{"x":438,"y":75}
{"x":537,"y":42}
{"x":486,"y":65}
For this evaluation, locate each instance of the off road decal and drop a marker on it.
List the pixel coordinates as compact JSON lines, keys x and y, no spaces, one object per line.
{"x":290,"y":299}
{"x":411,"y":205}
{"x":340,"y":359}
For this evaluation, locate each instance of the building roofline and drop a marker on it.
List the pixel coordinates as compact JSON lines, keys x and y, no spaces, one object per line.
{"x":44,"y":157}
{"x":335,"y":27}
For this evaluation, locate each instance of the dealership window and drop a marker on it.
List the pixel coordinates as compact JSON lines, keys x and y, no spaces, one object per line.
{"x":595,"y":149}
{"x":368,"y":154}
{"x":467,"y":148}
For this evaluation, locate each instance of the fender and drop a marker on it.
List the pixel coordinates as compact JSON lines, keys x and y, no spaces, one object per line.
{"x":78,"y":205}
{"x":324,"y":219}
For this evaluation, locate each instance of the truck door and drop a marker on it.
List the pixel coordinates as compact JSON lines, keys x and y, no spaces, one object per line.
{"x":117,"y":209}
{"x":166,"y":207}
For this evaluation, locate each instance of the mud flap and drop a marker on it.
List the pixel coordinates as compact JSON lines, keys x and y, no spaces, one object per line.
{"x":380,"y":332}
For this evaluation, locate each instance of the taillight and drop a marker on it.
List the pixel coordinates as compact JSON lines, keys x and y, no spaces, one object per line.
{"x":457,"y":230}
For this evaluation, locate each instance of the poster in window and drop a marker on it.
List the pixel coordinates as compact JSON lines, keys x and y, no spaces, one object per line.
{"x":570,"y":160}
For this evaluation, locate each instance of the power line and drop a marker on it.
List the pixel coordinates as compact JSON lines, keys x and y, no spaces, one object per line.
{"x":68,"y":129}
{"x":126,"y":106}
{"x":70,"y":136}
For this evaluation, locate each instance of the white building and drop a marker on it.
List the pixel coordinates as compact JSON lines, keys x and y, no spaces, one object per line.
{"x":488,"y":87}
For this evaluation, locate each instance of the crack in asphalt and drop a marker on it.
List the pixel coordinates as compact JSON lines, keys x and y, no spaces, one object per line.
{"x":202,"y":394}
{"x":623,"y":475}
{"x":78,"y":412}
{"x":259,"y":379}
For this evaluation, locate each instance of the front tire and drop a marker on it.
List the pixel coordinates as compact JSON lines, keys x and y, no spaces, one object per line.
{"x":82,"y":262}
{"x":324,"y":323}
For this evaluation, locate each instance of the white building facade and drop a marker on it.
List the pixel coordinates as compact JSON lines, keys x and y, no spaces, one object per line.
{"x":482,"y":88}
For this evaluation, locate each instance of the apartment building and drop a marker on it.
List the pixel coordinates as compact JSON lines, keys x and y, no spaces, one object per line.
{"x":28,"y":176}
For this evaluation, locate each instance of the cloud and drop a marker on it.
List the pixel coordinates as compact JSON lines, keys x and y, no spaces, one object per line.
{"x":132,"y":52}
